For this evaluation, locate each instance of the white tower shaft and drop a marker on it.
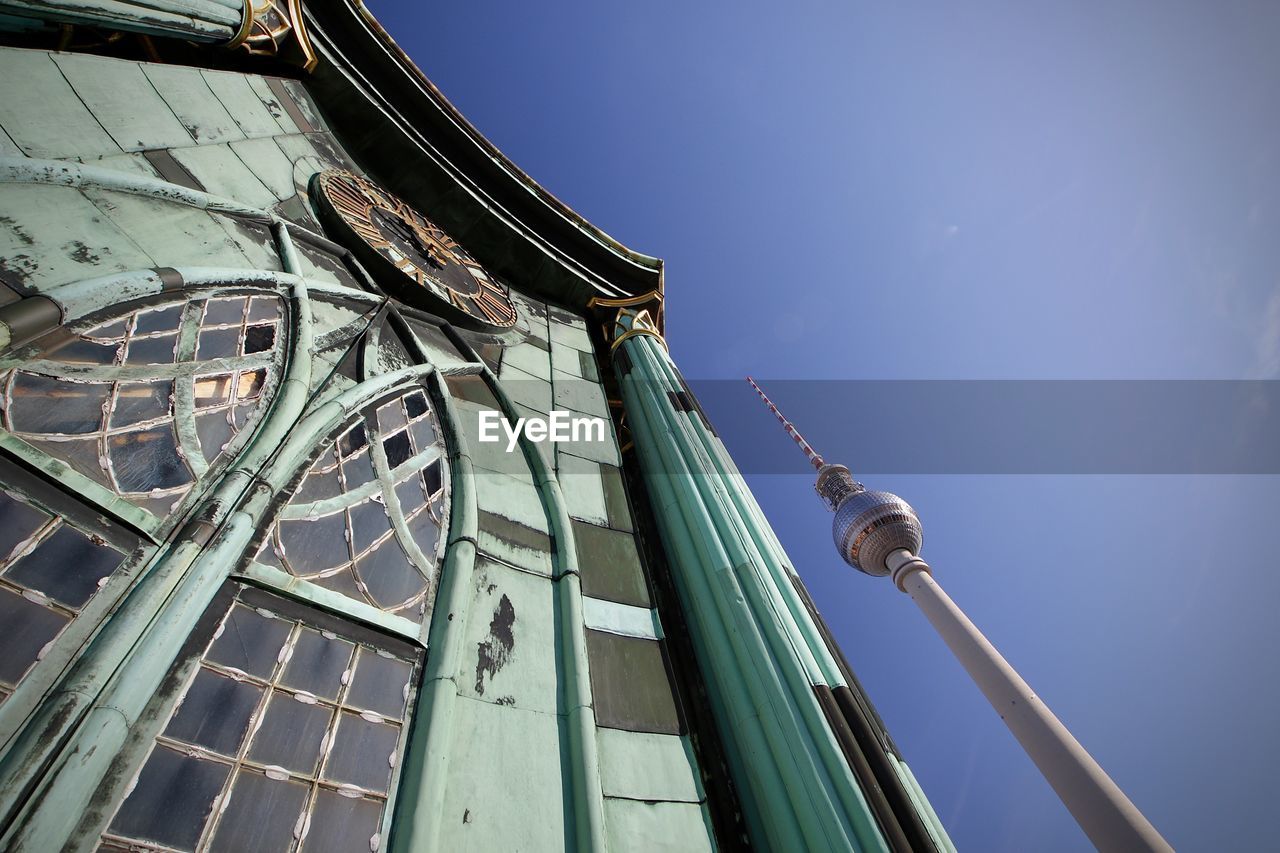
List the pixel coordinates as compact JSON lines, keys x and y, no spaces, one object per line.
{"x":1107,"y":816}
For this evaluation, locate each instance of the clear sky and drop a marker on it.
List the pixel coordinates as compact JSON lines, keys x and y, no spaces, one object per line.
{"x":855,"y":190}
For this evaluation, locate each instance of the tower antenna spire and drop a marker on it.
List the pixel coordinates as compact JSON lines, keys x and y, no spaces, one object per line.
{"x":815,"y":458}
{"x":835,"y":483}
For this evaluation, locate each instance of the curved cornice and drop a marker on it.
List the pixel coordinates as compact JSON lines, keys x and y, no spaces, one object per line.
{"x":401,"y":128}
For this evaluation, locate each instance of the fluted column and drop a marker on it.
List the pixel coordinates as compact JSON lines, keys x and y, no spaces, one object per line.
{"x":769,"y":675}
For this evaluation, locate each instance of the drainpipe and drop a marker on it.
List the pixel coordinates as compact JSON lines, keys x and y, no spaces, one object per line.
{"x":420,"y":803}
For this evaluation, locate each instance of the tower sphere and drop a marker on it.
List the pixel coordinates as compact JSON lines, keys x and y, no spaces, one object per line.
{"x":869,"y":526}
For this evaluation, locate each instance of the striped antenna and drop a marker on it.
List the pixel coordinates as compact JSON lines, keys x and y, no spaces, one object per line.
{"x":814,"y":458}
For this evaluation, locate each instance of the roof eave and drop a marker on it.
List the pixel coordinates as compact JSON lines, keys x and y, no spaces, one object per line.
{"x":403,"y":130}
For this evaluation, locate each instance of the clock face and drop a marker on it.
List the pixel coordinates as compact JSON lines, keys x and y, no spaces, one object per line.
{"x":427,"y":258}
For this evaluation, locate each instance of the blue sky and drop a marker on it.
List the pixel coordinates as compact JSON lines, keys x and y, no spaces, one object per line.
{"x":960,"y":191}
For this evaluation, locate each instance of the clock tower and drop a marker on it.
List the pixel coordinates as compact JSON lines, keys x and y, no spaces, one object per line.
{"x":264,"y":587}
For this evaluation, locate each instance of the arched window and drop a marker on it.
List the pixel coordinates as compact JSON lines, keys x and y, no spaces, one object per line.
{"x":134,"y":406}
{"x":147,"y":402}
{"x":365,"y":520}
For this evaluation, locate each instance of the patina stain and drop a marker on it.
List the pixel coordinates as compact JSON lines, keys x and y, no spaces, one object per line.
{"x":493,"y":652}
{"x":81,"y":253}
{"x":17,"y":230}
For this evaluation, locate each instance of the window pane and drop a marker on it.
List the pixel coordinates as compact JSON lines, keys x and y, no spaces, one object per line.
{"x":320,"y":485}
{"x":221,"y":312}
{"x":18,"y":522}
{"x":410,"y":495}
{"x":357,"y":470}
{"x":415,"y":404}
{"x":426,"y":534}
{"x":219,"y":343}
{"x":66,"y":566}
{"x":388,"y":575}
{"x":363,"y":753}
{"x":43,"y":405}
{"x":318,"y":664}
{"x":213,"y":390}
{"x":398,"y":449}
{"x":263,"y":309}
{"x":147,"y":460}
{"x":172,"y":800}
{"x":292,"y":734}
{"x":216,"y":712}
{"x":154,"y":322}
{"x":140,"y":401}
{"x":249,"y":642}
{"x":158,"y":350}
{"x":259,"y":339}
{"x":352,"y":441}
{"x":381,"y":684}
{"x":249,"y":384}
{"x":263,"y":814}
{"x":390,"y":417}
{"x":315,"y":544}
{"x":432,"y":475}
{"x":28,"y":626}
{"x":369,"y":523}
{"x":87,"y":352}
{"x":343,"y":825}
{"x":424,"y":434}
{"x":215,"y":433}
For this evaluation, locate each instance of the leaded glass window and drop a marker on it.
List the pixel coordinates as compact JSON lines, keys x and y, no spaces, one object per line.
{"x":49,"y":570}
{"x":365,"y":520}
{"x":146,"y":403}
{"x":287,"y":737}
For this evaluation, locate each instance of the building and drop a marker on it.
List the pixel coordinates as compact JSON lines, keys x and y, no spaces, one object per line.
{"x":263,"y":587}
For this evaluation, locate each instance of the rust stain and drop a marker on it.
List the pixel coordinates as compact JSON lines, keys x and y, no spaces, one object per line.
{"x":493,"y":652}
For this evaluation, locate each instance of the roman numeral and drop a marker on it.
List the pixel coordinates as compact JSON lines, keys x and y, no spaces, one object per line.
{"x":348,"y":196}
{"x":497,"y":310}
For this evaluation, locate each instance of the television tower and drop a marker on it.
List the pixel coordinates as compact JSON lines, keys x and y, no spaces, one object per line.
{"x":879,"y":534}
